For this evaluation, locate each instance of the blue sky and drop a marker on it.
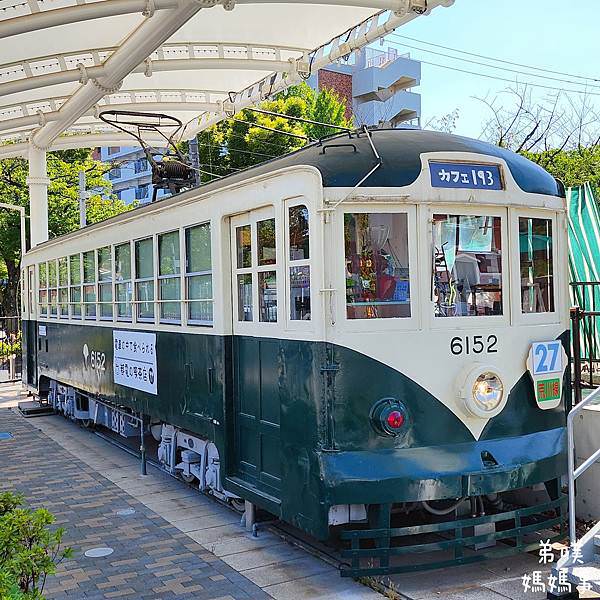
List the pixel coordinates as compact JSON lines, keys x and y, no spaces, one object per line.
{"x":554,"y":34}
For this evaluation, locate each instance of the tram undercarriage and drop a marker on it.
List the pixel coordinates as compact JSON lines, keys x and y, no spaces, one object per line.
{"x":180,"y":453}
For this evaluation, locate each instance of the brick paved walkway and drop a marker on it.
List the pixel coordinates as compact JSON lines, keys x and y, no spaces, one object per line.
{"x":152,"y":559}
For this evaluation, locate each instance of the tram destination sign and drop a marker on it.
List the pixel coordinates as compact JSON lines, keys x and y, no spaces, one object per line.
{"x":468,"y":176}
{"x":134,"y":363}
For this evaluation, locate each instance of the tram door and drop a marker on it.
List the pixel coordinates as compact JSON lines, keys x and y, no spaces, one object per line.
{"x":256,"y":350}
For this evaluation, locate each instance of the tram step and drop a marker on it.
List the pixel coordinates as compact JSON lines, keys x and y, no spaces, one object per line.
{"x":34,"y":408}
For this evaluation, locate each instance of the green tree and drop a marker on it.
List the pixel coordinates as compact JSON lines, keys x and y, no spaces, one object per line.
{"x":250,"y":137}
{"x":63,"y":207}
{"x":572,"y":167}
{"x":328,"y":108}
{"x":559,"y":132}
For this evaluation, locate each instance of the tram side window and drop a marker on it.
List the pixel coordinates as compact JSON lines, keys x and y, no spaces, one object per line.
{"x":89,"y":284}
{"x":467,"y":265}
{"x":75,"y":285}
{"x":105,"y":282}
{"x":267,"y":278}
{"x":144,"y":279}
{"x":198,"y":274}
{"x":43,"y":289}
{"x":52,"y":288}
{"x":299,"y":266}
{"x":63,"y":287}
{"x":30,"y":291}
{"x":535,"y":259}
{"x":123,"y":286}
{"x":169,"y":282}
{"x":23,"y":291}
{"x":377,"y":265}
{"x":243,"y":237}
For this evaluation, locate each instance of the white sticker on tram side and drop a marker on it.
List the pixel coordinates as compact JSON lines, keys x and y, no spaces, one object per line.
{"x":134,"y":363}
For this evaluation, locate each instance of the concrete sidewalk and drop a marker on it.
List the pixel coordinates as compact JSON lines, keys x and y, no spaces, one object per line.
{"x":11,"y":394}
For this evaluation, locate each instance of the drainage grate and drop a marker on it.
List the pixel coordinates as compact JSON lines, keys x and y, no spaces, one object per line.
{"x":5,"y":435}
{"x":124,"y":512}
{"x":98,"y":552}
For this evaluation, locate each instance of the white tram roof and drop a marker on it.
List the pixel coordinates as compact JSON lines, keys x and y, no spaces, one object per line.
{"x":62,"y":62}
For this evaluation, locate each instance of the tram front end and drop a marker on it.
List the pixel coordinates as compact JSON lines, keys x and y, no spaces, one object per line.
{"x":448,"y":382}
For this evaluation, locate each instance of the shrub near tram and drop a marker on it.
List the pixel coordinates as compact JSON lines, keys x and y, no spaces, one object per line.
{"x":29,"y":549}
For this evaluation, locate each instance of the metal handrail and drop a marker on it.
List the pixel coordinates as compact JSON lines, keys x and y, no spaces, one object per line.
{"x":574,"y":473}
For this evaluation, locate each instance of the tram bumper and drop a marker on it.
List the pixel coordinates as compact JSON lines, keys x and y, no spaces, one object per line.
{"x":439,"y":472}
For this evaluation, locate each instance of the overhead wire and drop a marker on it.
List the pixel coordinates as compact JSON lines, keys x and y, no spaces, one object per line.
{"x":506,"y":69}
{"x":584,"y":92}
{"x":506,"y":79}
{"x":500,"y":60}
{"x":229,"y":150}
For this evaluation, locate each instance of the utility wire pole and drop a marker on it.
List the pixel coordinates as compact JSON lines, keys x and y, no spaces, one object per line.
{"x":83,"y":195}
{"x":195,"y":158}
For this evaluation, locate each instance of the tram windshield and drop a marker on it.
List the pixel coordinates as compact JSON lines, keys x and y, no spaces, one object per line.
{"x":467,"y":265}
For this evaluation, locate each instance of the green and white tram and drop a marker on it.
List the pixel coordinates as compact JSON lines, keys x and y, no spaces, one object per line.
{"x":367,"y":338}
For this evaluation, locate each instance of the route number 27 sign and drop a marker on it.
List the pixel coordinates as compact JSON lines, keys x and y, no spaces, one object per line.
{"x":546,"y":364}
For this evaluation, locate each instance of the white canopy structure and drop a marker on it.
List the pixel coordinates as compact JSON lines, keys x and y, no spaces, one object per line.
{"x":62,"y":62}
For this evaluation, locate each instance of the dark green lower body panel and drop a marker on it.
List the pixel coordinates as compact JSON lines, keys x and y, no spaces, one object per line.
{"x":310,"y":404}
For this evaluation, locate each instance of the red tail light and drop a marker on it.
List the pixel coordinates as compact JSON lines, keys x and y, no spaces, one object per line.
{"x":389,"y":417}
{"x":395,"y":419}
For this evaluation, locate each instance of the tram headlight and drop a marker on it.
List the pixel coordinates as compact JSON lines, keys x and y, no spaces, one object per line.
{"x":482,"y":391}
{"x":488,"y":391}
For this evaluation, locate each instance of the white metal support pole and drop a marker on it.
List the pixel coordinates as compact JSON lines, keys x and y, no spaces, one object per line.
{"x":38,"y":182}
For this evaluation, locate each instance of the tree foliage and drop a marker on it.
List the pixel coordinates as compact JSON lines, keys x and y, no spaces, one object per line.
{"x":572,"y":167}
{"x":561,"y":133}
{"x":63,"y":207}
{"x":250,"y":137}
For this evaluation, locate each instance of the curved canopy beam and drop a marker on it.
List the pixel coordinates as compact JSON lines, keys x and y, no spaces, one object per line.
{"x":84,"y":139}
{"x":140,"y":44}
{"x":80,"y":66}
{"x":357,"y":37}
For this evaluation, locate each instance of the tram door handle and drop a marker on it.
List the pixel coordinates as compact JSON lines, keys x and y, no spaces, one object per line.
{"x":189,"y":371}
{"x":209,"y":373}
